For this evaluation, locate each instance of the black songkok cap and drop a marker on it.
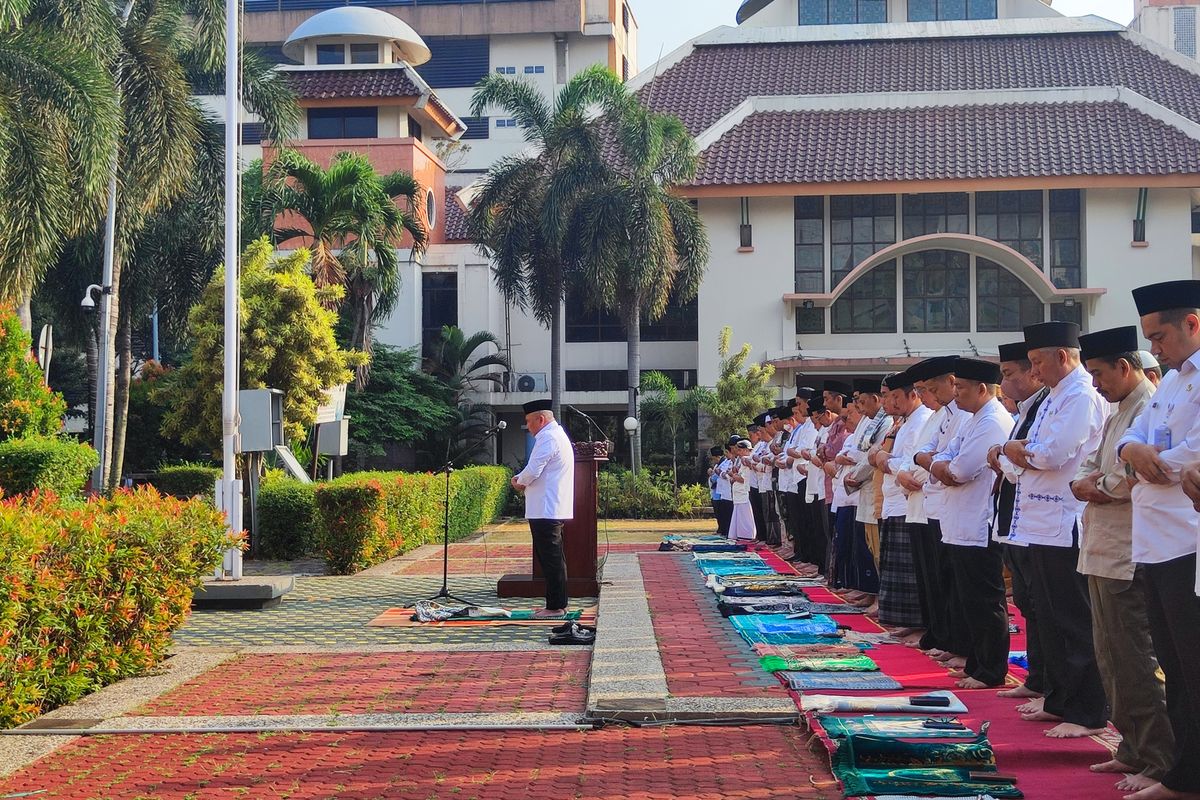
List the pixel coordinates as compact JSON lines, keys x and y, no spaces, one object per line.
{"x":899,"y":380}
{"x":837,"y":387}
{"x":816,"y":405}
{"x":1051,"y":334}
{"x":782,"y":412}
{"x":761,"y":419}
{"x":733,"y":440}
{"x":806,"y":392}
{"x":1111,"y":342}
{"x":537,"y":405}
{"x":715,"y":451}
{"x":1015,"y":351}
{"x":974,"y":369}
{"x":1166,"y":296}
{"x":867,"y":385}
{"x":932,"y":368}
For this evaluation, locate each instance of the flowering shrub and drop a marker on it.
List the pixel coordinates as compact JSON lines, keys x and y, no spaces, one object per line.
{"x":27,"y":406}
{"x":366,"y":518}
{"x":90,"y":593}
{"x":47,"y":463}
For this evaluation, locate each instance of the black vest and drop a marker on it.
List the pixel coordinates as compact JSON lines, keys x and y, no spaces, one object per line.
{"x":1007,"y":496}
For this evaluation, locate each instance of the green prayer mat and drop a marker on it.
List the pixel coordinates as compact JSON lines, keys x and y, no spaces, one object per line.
{"x":894,"y":727}
{"x":858,"y":663}
{"x":924,"y":781}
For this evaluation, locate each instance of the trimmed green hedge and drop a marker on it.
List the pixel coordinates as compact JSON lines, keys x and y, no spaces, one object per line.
{"x":48,"y":463}
{"x":366,"y":518}
{"x":286,"y":519}
{"x":92,"y":591}
{"x":648,"y":495}
{"x":188,"y":480}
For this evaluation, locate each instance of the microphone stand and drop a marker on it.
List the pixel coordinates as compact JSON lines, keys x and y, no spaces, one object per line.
{"x":448,"y":467}
{"x":595,"y":426}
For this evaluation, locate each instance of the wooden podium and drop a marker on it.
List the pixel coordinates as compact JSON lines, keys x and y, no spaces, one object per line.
{"x":579,"y":534}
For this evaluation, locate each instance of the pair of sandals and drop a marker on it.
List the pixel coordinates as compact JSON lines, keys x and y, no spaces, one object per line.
{"x":572,"y":633}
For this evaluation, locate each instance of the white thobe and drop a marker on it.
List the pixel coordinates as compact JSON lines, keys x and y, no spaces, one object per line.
{"x":549,"y":477}
{"x":967,"y":508}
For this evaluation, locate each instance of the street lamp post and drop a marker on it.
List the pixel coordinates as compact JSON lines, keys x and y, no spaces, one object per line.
{"x":631,"y":426}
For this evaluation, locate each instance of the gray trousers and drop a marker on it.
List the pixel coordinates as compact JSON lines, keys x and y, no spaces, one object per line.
{"x":1130,"y":674}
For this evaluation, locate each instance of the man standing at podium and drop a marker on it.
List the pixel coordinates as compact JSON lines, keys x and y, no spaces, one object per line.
{"x":548,"y":482}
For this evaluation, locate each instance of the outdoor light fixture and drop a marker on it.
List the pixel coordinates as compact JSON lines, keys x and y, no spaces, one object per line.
{"x":87,"y":303}
{"x":808,"y":304}
{"x":631,"y":426}
{"x":1069,"y":302}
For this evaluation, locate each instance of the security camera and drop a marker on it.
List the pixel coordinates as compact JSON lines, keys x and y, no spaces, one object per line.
{"x":87,"y":303}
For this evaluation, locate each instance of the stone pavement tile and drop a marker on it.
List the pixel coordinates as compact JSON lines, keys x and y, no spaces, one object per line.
{"x":616,"y":762}
{"x":334,"y":611}
{"x":702,"y":654}
{"x":366,"y":683}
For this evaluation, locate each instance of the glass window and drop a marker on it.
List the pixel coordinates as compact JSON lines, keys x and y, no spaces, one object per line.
{"x":930,"y":10}
{"x":860,"y":226}
{"x":587,"y":324}
{"x":842,"y":12}
{"x":1012,"y":218}
{"x":937,"y":291}
{"x":439,"y":305}
{"x":343,"y":123}
{"x":1003,"y":301}
{"x":414,"y":129}
{"x":1183,"y":22}
{"x":1066,"y":260}
{"x":810,"y":320}
{"x":331,"y":54}
{"x":679,"y":323}
{"x":936,"y":212}
{"x":810,"y":244}
{"x":869,"y":306}
{"x":364,"y":54}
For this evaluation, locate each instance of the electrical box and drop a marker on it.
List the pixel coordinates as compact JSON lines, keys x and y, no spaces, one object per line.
{"x":262,"y":419}
{"x":333,"y":437}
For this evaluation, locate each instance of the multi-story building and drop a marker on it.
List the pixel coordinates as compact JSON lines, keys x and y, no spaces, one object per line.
{"x":1171,"y":23}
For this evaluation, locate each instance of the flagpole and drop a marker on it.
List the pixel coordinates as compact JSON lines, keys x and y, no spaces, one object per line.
{"x":229,"y":495}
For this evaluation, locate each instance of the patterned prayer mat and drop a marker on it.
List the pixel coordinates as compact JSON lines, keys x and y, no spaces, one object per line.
{"x":827,"y":663}
{"x":833,"y":703}
{"x":805,"y":681}
{"x":799,"y":650}
{"x":402,"y":618}
{"x":895,"y":727}
{"x":794,"y":606}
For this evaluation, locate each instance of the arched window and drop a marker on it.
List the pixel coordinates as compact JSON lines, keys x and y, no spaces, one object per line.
{"x":869,"y":305}
{"x":1003,"y":301}
{"x":937,"y":291}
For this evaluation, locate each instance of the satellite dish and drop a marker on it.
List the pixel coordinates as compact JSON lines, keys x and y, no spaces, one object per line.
{"x":526,"y":383}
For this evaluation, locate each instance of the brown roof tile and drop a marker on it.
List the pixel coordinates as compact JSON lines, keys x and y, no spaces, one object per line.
{"x":713,"y":79}
{"x":330,"y":83}
{"x":945,"y":143}
{"x":455,"y":218}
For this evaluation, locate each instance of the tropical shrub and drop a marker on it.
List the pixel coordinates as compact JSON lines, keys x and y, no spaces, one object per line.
{"x":648,"y":495}
{"x":188,"y":480}
{"x":27,"y":406}
{"x":93,"y":591}
{"x":48,"y":463}
{"x":286,"y":518}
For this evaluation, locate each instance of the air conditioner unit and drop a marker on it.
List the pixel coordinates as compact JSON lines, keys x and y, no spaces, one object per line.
{"x":531,"y":382}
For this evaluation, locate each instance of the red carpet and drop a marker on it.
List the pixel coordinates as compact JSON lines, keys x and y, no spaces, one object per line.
{"x":1048,"y":769}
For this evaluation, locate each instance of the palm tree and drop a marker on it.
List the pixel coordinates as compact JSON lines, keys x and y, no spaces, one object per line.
{"x":523,"y":208}
{"x":59,"y":121}
{"x":662,"y":403}
{"x":353,"y":225}
{"x":453,"y":361}
{"x":636,"y":241}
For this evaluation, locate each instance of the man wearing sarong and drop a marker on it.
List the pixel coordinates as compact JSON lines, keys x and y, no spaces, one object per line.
{"x":1116,"y":586}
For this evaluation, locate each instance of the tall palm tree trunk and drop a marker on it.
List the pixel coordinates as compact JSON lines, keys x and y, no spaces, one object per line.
{"x":633,"y":337}
{"x":556,"y":373}
{"x":121,"y":400}
{"x":93,"y":360}
{"x":25,"y":314}
{"x":105,"y":372}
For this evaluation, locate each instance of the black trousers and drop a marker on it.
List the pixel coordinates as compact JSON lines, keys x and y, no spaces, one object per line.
{"x":1060,"y":595}
{"x":947,"y":624}
{"x":816,"y":533}
{"x":1017,"y":559}
{"x":548,"y":548}
{"x":796,"y":517}
{"x":723,"y":509}
{"x":774,"y":525}
{"x":979,"y":591}
{"x":1174,"y":612}
{"x":756,"y":505}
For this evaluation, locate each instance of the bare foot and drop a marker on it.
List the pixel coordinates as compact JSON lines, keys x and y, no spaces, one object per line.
{"x":1033,"y":706}
{"x":944,"y":655}
{"x":1018,"y":692}
{"x":543,"y":613}
{"x":1041,"y":716}
{"x":872,"y":612}
{"x":1135,"y":783}
{"x":1159,"y":792}
{"x":958,"y":673}
{"x":958,"y":662}
{"x":915,"y":645}
{"x":907,"y":633}
{"x":971,"y":683}
{"x":1069,"y":730}
{"x":1114,"y":766}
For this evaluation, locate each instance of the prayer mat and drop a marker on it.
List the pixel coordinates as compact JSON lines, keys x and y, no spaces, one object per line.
{"x":763,"y":585}
{"x":753,"y":637}
{"x":871,"y":637}
{"x":720,"y":568}
{"x":403,"y":618}
{"x":726,"y":557}
{"x":796,"y":606}
{"x":801,"y":650}
{"x":725,"y":546}
{"x":925,"y":781}
{"x":849,"y":681}
{"x":839,"y":663}
{"x":759,"y":599}
{"x":868,"y":750}
{"x":893,"y":727}
{"x":833,"y":703}
{"x":819,"y":625}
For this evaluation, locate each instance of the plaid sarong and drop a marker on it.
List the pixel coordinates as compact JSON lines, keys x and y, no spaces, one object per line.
{"x":899,"y":598}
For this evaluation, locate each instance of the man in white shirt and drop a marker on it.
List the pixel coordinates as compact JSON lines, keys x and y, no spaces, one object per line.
{"x":791,"y":467}
{"x":548,"y":482}
{"x":814,"y":496}
{"x":1020,"y":384}
{"x":1046,"y":516}
{"x":1163,"y":443}
{"x":760,"y":443}
{"x":966,"y":513}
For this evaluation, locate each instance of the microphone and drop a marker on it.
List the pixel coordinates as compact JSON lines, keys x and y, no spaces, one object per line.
{"x":499,"y":426}
{"x":580,"y":413}
{"x":595,"y":425}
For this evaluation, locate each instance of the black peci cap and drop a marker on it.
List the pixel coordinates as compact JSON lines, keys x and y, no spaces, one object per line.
{"x":868,"y":385}
{"x":537,"y":405}
{"x":1014,"y":351}
{"x":837,"y":387}
{"x":975,"y":369}
{"x":898,"y":380}
{"x":932,"y":368}
{"x":1111,"y":342}
{"x":1166,"y":296}
{"x":1051,"y":334}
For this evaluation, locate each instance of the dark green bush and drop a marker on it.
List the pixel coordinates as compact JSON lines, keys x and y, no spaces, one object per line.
{"x":188,"y":480}
{"x":49,"y":463}
{"x":286,"y":519}
{"x":648,"y":495}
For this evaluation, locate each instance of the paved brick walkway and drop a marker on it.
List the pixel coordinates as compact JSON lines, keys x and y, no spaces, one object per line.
{"x":702,"y":655}
{"x":617,"y":762}
{"x":365,"y":683}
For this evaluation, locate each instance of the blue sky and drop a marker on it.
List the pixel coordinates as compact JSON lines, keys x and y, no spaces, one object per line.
{"x":666,"y":24}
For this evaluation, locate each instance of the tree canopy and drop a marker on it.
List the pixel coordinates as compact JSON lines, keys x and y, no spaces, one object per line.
{"x":742,"y":391}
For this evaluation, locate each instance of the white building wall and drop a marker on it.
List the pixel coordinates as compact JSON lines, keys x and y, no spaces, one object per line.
{"x":1163,"y":24}
{"x":783,"y":13}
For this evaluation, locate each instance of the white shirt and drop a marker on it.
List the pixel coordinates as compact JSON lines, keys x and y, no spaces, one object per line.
{"x":1164,"y":522}
{"x":803,"y":438}
{"x":787,"y":475}
{"x":915,"y":512}
{"x":1066,"y":429}
{"x":816,"y":476}
{"x":724,"y":491}
{"x":895,"y":502}
{"x":841,"y":497}
{"x":753,"y":473}
{"x":947,"y":429}
{"x":967,"y":508}
{"x":549,"y":477}
{"x":740,"y":491}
